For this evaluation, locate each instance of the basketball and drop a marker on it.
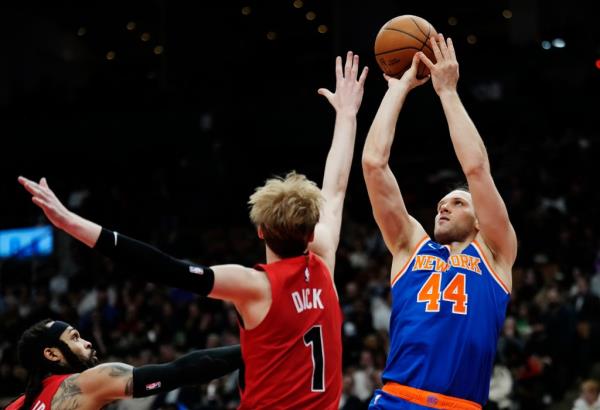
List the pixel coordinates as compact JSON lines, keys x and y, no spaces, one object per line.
{"x":398,"y":41}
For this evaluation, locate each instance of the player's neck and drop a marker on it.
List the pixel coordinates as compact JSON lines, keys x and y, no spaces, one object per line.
{"x":272,"y":256}
{"x":456,"y":247}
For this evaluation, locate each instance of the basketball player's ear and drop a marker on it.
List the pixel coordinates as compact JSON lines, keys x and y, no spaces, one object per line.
{"x":311,"y":237}
{"x":477,"y":224}
{"x":52,"y":354}
{"x":261,"y":235}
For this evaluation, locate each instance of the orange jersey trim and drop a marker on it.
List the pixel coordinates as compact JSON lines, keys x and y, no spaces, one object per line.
{"x":489,"y":266}
{"x":412,"y":256}
{"x":428,"y":399}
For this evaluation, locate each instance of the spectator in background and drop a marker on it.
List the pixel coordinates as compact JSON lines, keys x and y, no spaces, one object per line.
{"x":586,"y":306}
{"x":590,"y":396}
{"x":349,"y":400}
{"x":501,"y":386}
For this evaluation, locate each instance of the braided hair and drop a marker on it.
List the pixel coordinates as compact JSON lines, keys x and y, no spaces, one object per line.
{"x":31,"y":355}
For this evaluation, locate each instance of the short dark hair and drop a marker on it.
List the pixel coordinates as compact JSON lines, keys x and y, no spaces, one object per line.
{"x":459,"y":186}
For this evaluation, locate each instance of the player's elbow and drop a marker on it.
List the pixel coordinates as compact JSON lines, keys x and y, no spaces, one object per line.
{"x":476,"y":169}
{"x":372,"y":162}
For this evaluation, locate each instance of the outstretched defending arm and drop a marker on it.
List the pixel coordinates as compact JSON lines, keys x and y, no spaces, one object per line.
{"x":107,"y":382}
{"x":346,"y":102}
{"x":144,"y":262}
{"x":495,"y":227}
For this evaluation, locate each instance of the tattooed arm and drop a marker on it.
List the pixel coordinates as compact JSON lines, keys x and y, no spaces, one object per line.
{"x":108,"y":382}
{"x":94,"y":387}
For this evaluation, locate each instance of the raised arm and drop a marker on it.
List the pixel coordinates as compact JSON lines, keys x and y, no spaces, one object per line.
{"x":495,"y":227}
{"x":400,"y":231}
{"x":108,"y":382}
{"x":233,"y":283}
{"x":80,"y":228}
{"x":346,"y":102}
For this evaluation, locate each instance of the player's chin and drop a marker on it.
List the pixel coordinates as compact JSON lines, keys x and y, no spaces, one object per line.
{"x":93,"y":358}
{"x":442,"y":234}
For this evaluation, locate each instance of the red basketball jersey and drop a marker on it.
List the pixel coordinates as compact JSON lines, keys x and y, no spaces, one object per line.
{"x":293,"y":358}
{"x":43,"y":401}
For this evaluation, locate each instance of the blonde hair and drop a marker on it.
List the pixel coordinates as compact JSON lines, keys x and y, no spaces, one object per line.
{"x":287,"y":210}
{"x":590,"y":384}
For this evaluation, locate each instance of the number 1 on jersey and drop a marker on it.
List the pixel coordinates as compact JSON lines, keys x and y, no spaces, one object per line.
{"x":314,"y":339}
{"x":454,"y":292}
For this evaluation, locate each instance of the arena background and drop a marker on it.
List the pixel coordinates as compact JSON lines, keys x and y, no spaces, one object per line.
{"x":159,"y":118}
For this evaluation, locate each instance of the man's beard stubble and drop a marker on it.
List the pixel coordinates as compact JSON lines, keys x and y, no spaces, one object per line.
{"x":75,"y":364}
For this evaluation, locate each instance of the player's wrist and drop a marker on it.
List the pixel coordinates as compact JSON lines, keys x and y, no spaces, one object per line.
{"x":401,"y":88}
{"x":346,"y":113}
{"x":67,"y":222}
{"x":448,"y":93}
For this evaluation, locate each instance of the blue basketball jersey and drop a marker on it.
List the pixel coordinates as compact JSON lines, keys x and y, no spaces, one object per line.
{"x":447,"y":314}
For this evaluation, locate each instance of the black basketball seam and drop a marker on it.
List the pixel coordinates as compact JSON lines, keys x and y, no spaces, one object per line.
{"x":426,"y":34}
{"x":403,"y":32}
{"x":425,"y":42}
{"x":410,"y":35}
{"x":416,"y":24}
{"x":396,"y":49}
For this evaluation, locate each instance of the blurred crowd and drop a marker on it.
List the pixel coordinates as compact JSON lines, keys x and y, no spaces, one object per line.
{"x":549,"y":345}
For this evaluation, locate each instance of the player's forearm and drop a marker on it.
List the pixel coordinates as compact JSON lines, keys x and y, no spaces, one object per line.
{"x":467,"y":142}
{"x":339,"y":158}
{"x":145,"y":262}
{"x":193,"y":368}
{"x":81,"y":229}
{"x":381,"y":135}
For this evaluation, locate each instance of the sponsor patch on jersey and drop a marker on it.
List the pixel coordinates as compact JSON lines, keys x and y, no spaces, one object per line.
{"x":196,"y":269}
{"x":153,"y":386}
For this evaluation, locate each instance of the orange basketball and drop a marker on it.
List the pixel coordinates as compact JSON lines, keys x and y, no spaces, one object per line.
{"x":398,"y":41}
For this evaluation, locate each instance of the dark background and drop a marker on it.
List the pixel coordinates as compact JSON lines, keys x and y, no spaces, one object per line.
{"x":238,"y":107}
